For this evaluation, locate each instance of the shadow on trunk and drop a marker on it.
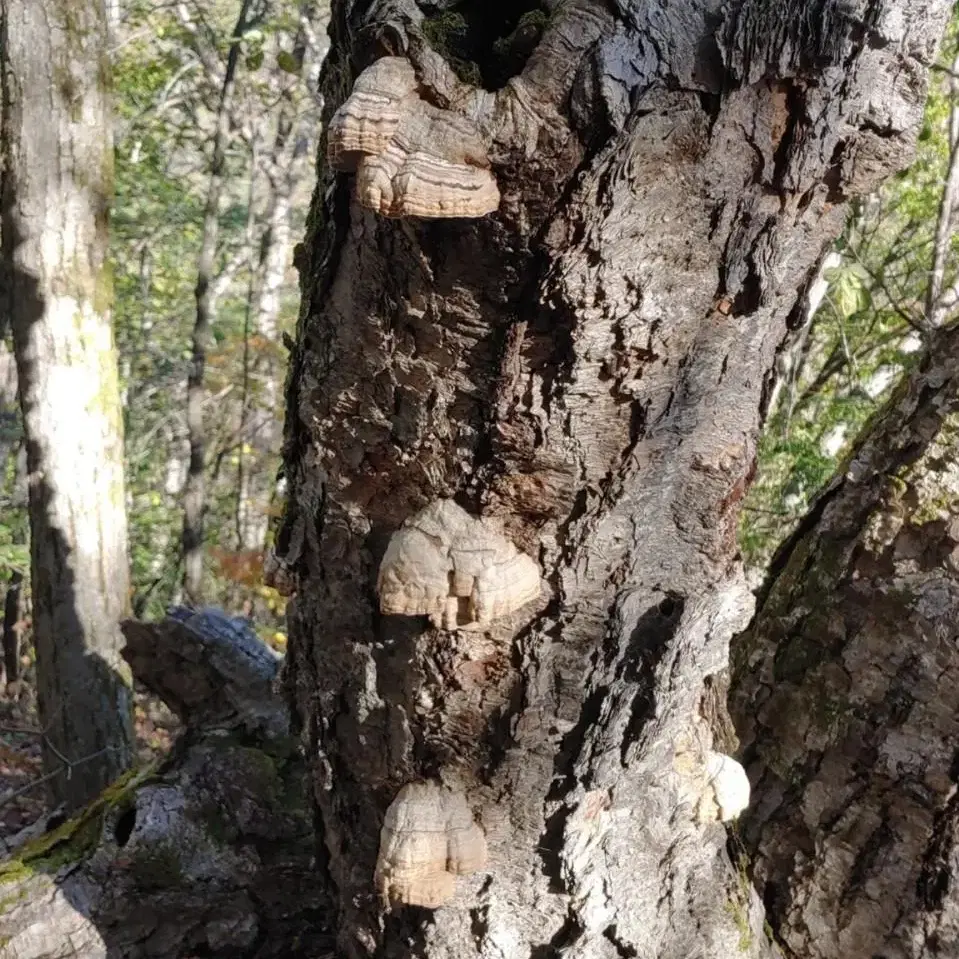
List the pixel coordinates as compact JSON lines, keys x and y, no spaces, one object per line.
{"x":84,"y":698}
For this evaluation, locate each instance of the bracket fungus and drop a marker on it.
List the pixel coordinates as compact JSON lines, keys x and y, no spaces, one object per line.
{"x":460,"y":571}
{"x":429,"y":837}
{"x":727,"y":788}
{"x":410,"y":157}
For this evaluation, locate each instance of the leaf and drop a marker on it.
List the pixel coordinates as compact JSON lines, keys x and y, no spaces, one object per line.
{"x":244,"y":567}
{"x":848,"y":289}
{"x":287,"y":62}
{"x":15,"y":557}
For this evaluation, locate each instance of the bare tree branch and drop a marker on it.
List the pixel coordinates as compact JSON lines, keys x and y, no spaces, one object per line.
{"x":947,"y":206}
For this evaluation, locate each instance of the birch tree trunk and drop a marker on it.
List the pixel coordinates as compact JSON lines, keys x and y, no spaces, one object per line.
{"x":56,"y":195}
{"x":585,"y":367}
{"x":288,"y":162}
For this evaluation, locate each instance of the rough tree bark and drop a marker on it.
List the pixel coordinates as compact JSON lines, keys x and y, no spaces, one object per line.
{"x":846,"y":694}
{"x":586,"y":366}
{"x":56,"y":194}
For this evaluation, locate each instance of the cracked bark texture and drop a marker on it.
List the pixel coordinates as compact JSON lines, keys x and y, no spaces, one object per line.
{"x":846,"y":695}
{"x":588,"y":366}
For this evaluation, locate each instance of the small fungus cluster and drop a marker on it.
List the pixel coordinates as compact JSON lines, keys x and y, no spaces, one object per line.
{"x":727,"y":789}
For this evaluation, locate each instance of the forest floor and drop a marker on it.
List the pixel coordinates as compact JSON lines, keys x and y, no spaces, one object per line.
{"x":23,"y":799}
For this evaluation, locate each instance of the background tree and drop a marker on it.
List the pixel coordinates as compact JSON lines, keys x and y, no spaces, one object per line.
{"x":194,"y":492}
{"x":170,"y":66}
{"x":168,"y":69}
{"x":56,"y":194}
{"x":587,"y":368}
{"x":844,"y":693}
{"x":843,"y":688}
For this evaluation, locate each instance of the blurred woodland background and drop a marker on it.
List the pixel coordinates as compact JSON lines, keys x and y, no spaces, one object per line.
{"x":216,"y":123}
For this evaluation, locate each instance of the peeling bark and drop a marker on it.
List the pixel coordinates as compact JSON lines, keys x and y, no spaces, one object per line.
{"x":846,"y":694}
{"x":586,"y":367}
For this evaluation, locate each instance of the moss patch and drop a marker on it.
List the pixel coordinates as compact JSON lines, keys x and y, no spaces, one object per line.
{"x":157,"y":867}
{"x":525,"y":36}
{"x":75,"y":839}
{"x":447,"y":33}
{"x":795,"y":657}
{"x":737,"y":907}
{"x":11,"y":900}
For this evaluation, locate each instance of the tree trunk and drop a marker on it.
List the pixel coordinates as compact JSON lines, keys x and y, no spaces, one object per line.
{"x":288,"y":162}
{"x":57,"y":189}
{"x":208,"y":855}
{"x":11,"y":630}
{"x":846,"y":693}
{"x":194,"y":491}
{"x":11,"y":430}
{"x":585,"y":368}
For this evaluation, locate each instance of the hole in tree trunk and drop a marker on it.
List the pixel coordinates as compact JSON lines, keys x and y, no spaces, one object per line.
{"x":667,"y":607}
{"x":55,"y":821}
{"x":124,"y":826}
{"x":485,"y":41}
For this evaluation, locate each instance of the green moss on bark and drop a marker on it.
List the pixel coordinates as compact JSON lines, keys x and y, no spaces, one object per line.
{"x":75,"y":839}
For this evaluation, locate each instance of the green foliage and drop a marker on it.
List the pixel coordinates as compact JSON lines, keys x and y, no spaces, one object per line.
{"x":166,"y":105}
{"x":15,"y":525}
{"x":864,"y":336}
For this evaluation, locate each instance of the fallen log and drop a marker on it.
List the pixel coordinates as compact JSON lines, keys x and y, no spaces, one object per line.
{"x":208,"y":854}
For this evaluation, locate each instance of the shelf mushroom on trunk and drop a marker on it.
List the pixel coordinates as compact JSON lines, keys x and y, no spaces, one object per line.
{"x":410,"y":157}
{"x":460,"y":571}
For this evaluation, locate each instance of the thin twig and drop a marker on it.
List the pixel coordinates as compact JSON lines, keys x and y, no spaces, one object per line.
{"x":46,"y":777}
{"x":947,"y":205}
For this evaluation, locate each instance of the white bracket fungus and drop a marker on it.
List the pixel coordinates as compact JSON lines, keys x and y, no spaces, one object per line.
{"x":410,"y":157}
{"x":460,"y":571}
{"x":729,"y":785}
{"x":714,"y":785}
{"x":429,"y":837}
